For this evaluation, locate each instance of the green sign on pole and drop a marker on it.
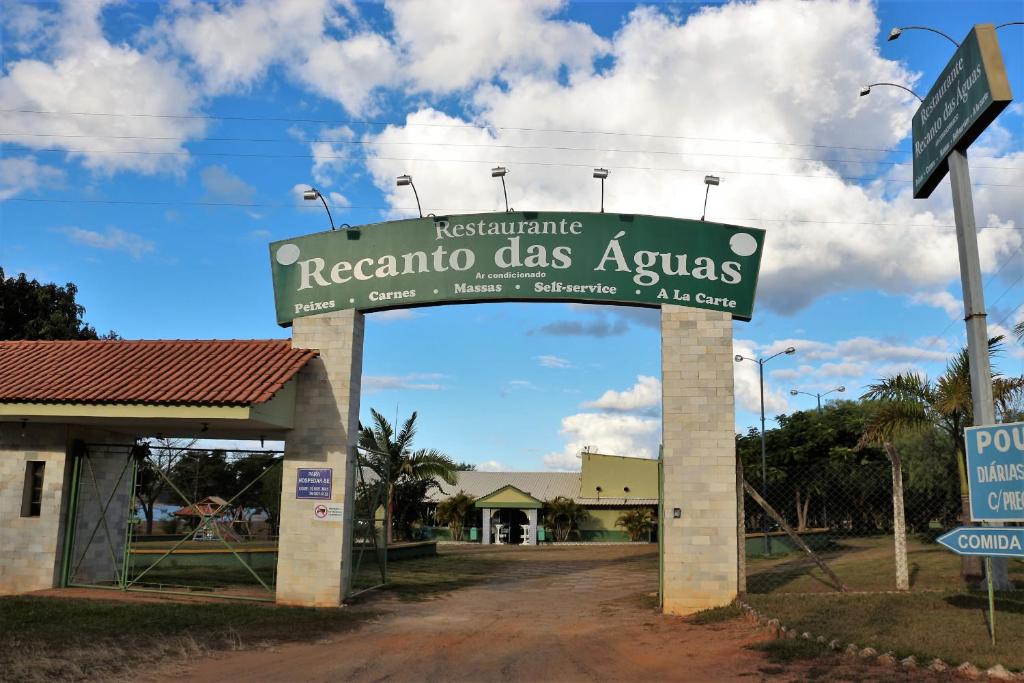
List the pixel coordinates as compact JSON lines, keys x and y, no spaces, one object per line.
{"x":519,"y":256}
{"x":968,"y":95}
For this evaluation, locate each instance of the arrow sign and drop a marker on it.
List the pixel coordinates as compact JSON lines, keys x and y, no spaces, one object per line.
{"x":987,"y":541}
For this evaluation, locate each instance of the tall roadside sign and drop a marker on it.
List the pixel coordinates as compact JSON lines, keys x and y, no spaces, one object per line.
{"x":968,"y":95}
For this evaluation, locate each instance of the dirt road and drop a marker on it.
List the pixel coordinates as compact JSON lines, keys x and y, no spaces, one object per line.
{"x":565,"y":614}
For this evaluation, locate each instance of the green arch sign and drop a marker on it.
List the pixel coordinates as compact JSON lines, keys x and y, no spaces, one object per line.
{"x":519,"y":256}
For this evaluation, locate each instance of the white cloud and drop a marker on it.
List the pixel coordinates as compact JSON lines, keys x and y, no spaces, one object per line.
{"x":723,"y":80}
{"x":549,"y":361}
{"x":491,"y":466}
{"x":453,"y":44}
{"x":26,"y":174}
{"x":643,"y":396}
{"x":348,"y":71}
{"x":234,"y":45}
{"x":953,"y":306}
{"x":222,"y":185}
{"x":112,"y":239}
{"x":89,"y":74}
{"x":414,"y":381}
{"x":297,"y":34}
{"x":747,"y":386}
{"x":393,"y":315}
{"x":27,"y":27}
{"x":613,"y":434}
{"x":329,"y":154}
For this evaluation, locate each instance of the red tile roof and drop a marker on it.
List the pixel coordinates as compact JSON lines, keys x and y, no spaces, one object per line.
{"x":162,"y":372}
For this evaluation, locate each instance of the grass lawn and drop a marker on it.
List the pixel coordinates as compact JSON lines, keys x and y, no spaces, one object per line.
{"x":49,"y":638}
{"x":864,"y":564}
{"x":45,"y":638}
{"x":948,"y":625}
{"x":937,"y":619}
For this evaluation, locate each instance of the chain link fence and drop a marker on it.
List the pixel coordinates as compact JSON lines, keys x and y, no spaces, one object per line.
{"x":834,"y":523}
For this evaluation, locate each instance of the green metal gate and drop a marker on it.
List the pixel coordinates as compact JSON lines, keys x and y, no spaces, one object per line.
{"x":172,"y":518}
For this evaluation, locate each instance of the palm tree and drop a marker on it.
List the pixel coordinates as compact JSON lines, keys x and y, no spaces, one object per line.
{"x":453,"y":511}
{"x":638,"y":522}
{"x":391,"y":458}
{"x":909,"y":402}
{"x":562,"y":514}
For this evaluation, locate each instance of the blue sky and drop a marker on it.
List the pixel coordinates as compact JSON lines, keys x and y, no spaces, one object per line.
{"x":179,"y":136}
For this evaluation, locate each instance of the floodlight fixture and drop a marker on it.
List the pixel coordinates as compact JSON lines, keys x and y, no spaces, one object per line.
{"x":601,"y":174}
{"x":313,"y":194}
{"x":404,"y":180}
{"x":500,"y":172}
{"x":709,"y":180}
{"x":897,"y":31}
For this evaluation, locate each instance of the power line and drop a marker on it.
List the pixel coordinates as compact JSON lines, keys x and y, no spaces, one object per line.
{"x":987,"y":282}
{"x":1012,"y":311}
{"x":256,"y":205}
{"x":472,"y":126}
{"x":474,"y":145}
{"x":1005,"y":291}
{"x":556,"y":164}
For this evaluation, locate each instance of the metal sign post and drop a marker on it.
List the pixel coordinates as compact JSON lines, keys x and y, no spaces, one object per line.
{"x":986,"y":542}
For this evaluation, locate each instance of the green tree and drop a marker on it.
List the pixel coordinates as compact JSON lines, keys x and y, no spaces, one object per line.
{"x":454,"y":510}
{"x":31,"y":310}
{"x":637,"y":522}
{"x":156,"y":462}
{"x":911,"y":403}
{"x":392,"y":459}
{"x":815,"y":478}
{"x":563,"y":515}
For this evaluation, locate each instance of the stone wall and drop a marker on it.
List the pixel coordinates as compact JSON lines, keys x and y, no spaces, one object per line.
{"x":29,"y":546}
{"x":698,"y":433}
{"x":313,"y":554}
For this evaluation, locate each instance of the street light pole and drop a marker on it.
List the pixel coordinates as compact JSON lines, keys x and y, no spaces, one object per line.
{"x":764,"y":457}
{"x":794,"y":392}
{"x":764,"y":464}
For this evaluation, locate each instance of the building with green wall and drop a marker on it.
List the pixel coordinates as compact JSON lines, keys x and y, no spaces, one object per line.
{"x":512,"y":503}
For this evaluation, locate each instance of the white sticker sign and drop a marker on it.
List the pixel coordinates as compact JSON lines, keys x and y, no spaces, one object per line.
{"x":332,"y":513}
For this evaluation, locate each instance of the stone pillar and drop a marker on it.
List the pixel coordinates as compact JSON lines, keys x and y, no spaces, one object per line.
{"x":698,"y":432}
{"x":485,"y":535}
{"x":532,"y":516}
{"x":313,"y":567}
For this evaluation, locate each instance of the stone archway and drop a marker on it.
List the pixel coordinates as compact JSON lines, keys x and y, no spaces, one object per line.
{"x":700,"y":563}
{"x":701,"y":276}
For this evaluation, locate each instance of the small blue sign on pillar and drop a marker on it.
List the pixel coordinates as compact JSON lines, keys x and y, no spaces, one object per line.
{"x":314,"y":484}
{"x":995,"y":472}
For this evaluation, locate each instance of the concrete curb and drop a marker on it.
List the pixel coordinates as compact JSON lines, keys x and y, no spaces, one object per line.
{"x":965,"y":670}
